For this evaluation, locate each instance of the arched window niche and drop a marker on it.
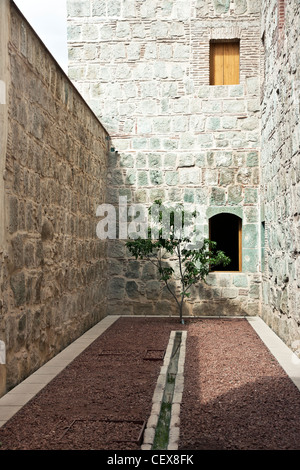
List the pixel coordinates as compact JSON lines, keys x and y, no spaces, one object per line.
{"x":225,"y":228}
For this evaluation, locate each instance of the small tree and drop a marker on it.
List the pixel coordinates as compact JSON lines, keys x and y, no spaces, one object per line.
{"x":194,"y":260}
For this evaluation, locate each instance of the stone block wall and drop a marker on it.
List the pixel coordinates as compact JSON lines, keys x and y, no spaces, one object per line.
{"x":280,"y":169}
{"x":52,"y":265}
{"x":144,"y":69}
{"x":143,"y":66}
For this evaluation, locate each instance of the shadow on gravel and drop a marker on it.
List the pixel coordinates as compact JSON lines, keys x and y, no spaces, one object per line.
{"x":264,"y":415}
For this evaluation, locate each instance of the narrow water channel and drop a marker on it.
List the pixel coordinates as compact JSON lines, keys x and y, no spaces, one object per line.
{"x":161,"y":438}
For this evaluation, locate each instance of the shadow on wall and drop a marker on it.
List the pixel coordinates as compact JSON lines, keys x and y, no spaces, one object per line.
{"x":134,"y":289}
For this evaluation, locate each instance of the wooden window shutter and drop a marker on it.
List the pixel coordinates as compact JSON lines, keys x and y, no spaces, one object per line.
{"x":226,"y":230}
{"x":281,"y":13}
{"x":224,"y":63}
{"x":240,"y":244}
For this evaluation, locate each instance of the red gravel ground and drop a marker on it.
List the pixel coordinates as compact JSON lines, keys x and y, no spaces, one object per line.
{"x":236,"y":396}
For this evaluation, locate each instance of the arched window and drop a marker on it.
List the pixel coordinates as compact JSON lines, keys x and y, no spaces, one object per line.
{"x":226,"y":230}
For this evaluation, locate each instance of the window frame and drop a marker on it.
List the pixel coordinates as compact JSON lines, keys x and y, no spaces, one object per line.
{"x":215,"y":44}
{"x":280,"y":14}
{"x":240,"y":241}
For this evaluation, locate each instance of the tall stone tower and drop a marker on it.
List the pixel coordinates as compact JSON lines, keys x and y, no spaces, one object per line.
{"x":176,"y":83}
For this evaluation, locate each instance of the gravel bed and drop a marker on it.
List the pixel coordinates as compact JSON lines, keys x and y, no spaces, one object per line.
{"x":236,"y":396}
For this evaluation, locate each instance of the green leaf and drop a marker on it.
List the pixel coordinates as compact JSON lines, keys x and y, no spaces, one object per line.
{"x":194,"y":264}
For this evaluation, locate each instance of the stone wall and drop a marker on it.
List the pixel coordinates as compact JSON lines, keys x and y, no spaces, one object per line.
{"x":143,"y":66}
{"x":52,"y":266}
{"x":280,"y":170}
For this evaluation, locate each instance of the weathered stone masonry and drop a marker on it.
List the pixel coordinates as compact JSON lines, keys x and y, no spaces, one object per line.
{"x":53,"y":167}
{"x":280,"y":169}
{"x":143,"y":66}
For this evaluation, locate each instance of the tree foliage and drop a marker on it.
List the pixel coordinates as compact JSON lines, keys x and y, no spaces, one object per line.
{"x":194,"y":260}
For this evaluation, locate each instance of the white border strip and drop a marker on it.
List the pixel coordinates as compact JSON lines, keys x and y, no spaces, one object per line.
{"x":149,"y":433}
{"x":288,"y":360}
{"x":14,"y":400}
{"x":177,"y":397}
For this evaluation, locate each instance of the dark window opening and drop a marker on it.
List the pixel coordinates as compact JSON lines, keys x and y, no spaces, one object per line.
{"x":226,"y":231}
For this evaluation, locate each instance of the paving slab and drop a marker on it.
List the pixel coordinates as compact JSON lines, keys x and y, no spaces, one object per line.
{"x":288,"y":360}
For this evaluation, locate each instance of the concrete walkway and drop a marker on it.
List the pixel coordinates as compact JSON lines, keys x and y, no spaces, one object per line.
{"x":288,"y":360}
{"x":13,"y":401}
